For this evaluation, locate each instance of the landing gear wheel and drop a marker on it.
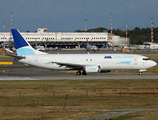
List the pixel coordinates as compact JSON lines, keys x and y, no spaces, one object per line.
{"x":84,"y":73}
{"x":139,"y":73}
{"x":78,"y":72}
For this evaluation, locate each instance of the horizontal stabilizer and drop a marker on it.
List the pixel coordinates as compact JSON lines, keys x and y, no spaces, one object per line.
{"x":15,"y":56}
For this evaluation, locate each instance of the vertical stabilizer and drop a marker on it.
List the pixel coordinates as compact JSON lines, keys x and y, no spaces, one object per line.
{"x":22,"y":46}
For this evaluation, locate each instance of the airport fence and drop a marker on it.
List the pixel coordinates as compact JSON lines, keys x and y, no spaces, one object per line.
{"x":56,"y":93}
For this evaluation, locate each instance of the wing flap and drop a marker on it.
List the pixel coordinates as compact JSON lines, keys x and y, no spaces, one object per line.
{"x":71,"y":65}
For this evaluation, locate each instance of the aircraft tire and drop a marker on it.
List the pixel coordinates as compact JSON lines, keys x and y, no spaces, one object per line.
{"x":84,"y":73}
{"x":139,"y":73}
{"x":78,"y":73}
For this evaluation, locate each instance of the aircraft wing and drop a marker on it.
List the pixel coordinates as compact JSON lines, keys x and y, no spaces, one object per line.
{"x":71,"y":65}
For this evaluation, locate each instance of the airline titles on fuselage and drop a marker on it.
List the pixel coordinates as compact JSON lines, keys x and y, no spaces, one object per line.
{"x":118,"y":57}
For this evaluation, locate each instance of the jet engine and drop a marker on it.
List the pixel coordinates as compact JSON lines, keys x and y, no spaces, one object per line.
{"x":95,"y":69}
{"x":92,"y":69}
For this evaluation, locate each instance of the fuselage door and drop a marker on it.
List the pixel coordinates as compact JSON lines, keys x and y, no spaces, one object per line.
{"x":135,"y":60}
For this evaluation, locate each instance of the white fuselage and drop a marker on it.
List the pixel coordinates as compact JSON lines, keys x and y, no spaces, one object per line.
{"x":105,"y":61}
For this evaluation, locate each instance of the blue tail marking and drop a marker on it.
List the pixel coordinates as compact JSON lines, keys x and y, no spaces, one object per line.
{"x":18,"y":39}
{"x":21,"y":45}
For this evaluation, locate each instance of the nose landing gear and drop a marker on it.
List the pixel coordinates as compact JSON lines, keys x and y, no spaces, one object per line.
{"x":139,"y":73}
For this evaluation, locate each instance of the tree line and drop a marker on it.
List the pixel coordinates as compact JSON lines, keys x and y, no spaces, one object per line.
{"x":136,"y":36}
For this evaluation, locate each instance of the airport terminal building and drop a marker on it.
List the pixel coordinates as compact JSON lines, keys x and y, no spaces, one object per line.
{"x":67,"y":39}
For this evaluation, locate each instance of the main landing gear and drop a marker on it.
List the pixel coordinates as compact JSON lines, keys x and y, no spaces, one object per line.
{"x":79,"y":73}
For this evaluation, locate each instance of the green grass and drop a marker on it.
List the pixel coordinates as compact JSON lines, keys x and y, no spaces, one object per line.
{"x":45,"y":99}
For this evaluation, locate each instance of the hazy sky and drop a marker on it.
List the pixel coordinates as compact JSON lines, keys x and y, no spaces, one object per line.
{"x":69,"y":15}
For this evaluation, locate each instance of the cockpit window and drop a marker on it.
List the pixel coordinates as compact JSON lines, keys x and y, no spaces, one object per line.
{"x":146,"y":59}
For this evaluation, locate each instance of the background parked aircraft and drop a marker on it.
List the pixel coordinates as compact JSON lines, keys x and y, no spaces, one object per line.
{"x":91,"y":47}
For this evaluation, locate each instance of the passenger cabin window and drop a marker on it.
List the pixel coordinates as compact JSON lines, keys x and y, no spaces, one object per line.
{"x":146,"y":59}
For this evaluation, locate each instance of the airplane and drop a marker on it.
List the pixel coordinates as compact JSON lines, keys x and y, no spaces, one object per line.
{"x":83,"y":63}
{"x":91,"y":47}
{"x":40,"y":48}
{"x":6,"y":46}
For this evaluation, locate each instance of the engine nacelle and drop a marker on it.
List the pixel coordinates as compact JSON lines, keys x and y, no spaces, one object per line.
{"x":92,"y":69}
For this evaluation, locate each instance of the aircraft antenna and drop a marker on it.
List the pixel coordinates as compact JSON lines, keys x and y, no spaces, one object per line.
{"x":111,"y":29}
{"x":152,"y":31}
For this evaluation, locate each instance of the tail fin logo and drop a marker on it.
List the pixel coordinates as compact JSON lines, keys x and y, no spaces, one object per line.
{"x":21,"y":45}
{"x":19,"y":41}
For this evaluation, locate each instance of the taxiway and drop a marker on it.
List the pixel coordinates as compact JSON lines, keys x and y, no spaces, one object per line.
{"x":35,"y":73}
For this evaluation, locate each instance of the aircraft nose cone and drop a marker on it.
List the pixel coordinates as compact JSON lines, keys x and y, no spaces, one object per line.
{"x":154,"y":63}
